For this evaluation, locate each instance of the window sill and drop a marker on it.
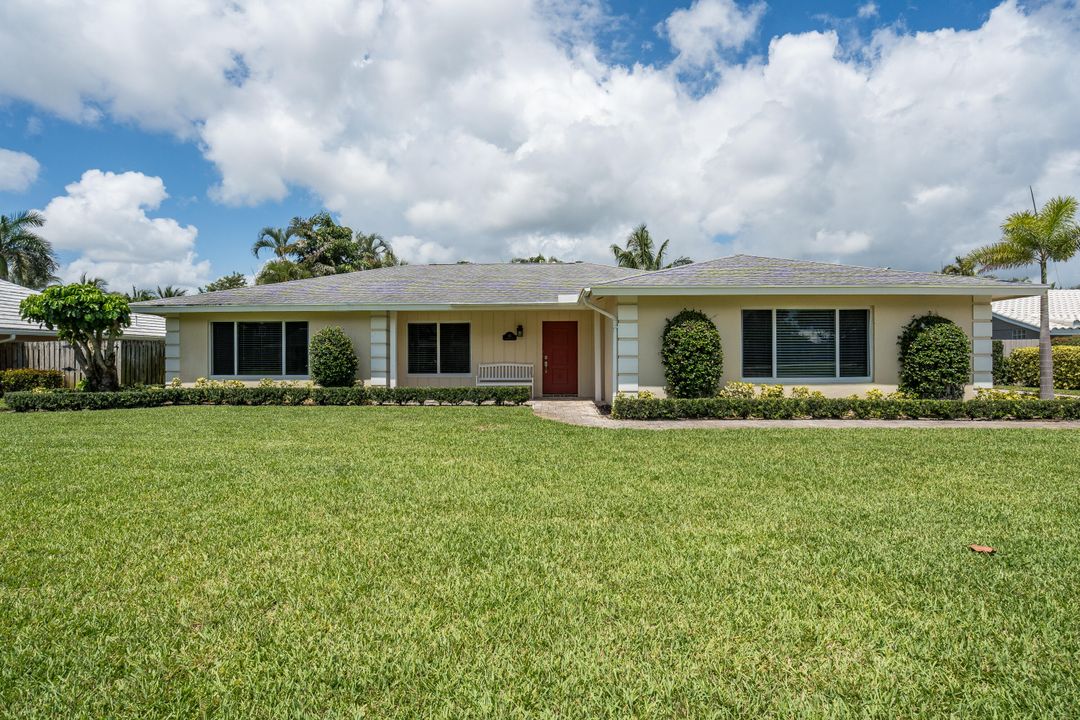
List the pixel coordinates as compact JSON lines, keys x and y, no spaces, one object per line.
{"x":808,"y":381}
{"x":248,"y":378}
{"x":439,"y":375}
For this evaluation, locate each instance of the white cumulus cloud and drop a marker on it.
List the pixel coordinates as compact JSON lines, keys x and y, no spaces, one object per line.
{"x":103,"y":219}
{"x":697,"y":32}
{"x":475,"y":130}
{"x":18,"y":170}
{"x":867,"y":10}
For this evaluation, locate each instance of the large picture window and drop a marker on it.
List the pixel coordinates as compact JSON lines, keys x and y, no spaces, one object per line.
{"x":808,"y":345}
{"x":258,"y":349}
{"x":439,"y":348}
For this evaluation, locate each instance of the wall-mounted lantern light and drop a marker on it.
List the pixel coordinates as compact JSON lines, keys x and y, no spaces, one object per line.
{"x":520,"y":331}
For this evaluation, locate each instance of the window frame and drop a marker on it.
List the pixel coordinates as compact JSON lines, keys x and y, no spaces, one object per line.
{"x":836,"y":379}
{"x":438,"y":348}
{"x":236,"y":352}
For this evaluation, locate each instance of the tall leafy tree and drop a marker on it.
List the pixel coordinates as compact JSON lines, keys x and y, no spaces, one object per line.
{"x":277,"y":240}
{"x":1037,"y":237}
{"x":640,"y":252}
{"x":90,"y":319}
{"x":322,"y":245}
{"x":26,"y":258}
{"x":232,"y":281}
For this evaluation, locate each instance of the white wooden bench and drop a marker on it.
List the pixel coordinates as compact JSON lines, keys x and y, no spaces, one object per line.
{"x":505,"y":374}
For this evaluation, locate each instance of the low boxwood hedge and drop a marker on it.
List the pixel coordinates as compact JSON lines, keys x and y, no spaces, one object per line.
{"x":158,"y":396}
{"x":735,"y":408}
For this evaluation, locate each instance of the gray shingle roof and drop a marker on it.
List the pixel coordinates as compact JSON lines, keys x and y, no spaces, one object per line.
{"x":464,"y":284}
{"x":142,"y":326}
{"x":751,"y":271}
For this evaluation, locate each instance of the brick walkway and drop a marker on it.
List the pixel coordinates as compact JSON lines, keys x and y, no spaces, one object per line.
{"x":585,"y":413}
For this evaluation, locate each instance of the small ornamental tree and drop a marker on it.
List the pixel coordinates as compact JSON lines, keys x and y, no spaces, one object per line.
{"x":692,"y":355}
{"x":912,"y":330}
{"x":938,"y":363}
{"x":333,"y":360}
{"x":90,"y":319}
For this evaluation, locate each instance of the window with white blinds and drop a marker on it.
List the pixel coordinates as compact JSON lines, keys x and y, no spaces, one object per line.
{"x":439,"y":348}
{"x":810,"y":345}
{"x":259,"y":349}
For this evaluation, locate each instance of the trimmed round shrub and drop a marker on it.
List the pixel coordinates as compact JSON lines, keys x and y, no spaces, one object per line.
{"x":692,"y":355}
{"x":1024,"y":367}
{"x":914,"y":328}
{"x":938,"y":363}
{"x":333,"y":360}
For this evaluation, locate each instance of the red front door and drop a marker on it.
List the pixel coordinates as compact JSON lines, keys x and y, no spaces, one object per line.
{"x":560,"y":358}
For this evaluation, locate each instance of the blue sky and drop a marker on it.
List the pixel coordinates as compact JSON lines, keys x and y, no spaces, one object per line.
{"x":474,"y":152}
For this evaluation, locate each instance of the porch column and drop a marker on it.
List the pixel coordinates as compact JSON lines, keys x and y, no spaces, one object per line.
{"x":598,"y":357}
{"x":393,"y":348}
{"x":172,"y":348}
{"x":380,"y":355}
{"x":626,"y":346}
{"x":982,"y":346}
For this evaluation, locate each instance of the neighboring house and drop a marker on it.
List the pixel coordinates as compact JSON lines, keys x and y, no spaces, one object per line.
{"x":14,"y":329}
{"x":579,"y":329}
{"x":1018,"y":318}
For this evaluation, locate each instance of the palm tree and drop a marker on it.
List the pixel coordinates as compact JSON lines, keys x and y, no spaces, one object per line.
{"x":961,"y":265}
{"x":1029,"y":238}
{"x":97,"y":282}
{"x":638,"y":252}
{"x":169,"y":291}
{"x":277,"y":271}
{"x":139,"y":294}
{"x":538,"y":259}
{"x":26,"y":258}
{"x":374,"y":252}
{"x":277,"y":240}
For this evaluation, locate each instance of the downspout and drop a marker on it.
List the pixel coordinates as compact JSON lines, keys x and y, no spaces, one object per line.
{"x":583,"y":298}
{"x":9,"y":338}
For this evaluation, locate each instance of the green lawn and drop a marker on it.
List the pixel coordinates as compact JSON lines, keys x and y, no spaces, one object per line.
{"x":467,"y":562}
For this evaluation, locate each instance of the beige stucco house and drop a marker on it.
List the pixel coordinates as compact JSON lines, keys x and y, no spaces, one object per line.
{"x":579,"y":329}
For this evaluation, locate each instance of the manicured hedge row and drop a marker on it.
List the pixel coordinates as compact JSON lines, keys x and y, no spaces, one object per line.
{"x":158,"y":396}
{"x":727,"y":408}
{"x":28,"y":379}
{"x":1024,"y":367}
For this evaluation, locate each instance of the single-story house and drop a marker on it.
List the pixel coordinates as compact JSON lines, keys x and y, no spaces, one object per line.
{"x":1018,"y":318}
{"x":14,"y":329}
{"x":579,"y":329}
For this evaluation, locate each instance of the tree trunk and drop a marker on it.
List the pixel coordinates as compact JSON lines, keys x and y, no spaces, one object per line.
{"x":1046,"y":358}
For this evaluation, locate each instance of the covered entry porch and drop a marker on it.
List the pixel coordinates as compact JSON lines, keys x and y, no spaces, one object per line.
{"x":557,"y":352}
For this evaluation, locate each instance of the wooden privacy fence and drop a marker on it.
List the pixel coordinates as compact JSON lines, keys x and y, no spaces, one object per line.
{"x":140,"y":362}
{"x":1009,"y":345}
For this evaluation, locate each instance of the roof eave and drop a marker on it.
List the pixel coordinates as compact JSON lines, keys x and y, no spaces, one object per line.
{"x":992,"y":291}
{"x":163,"y":310}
